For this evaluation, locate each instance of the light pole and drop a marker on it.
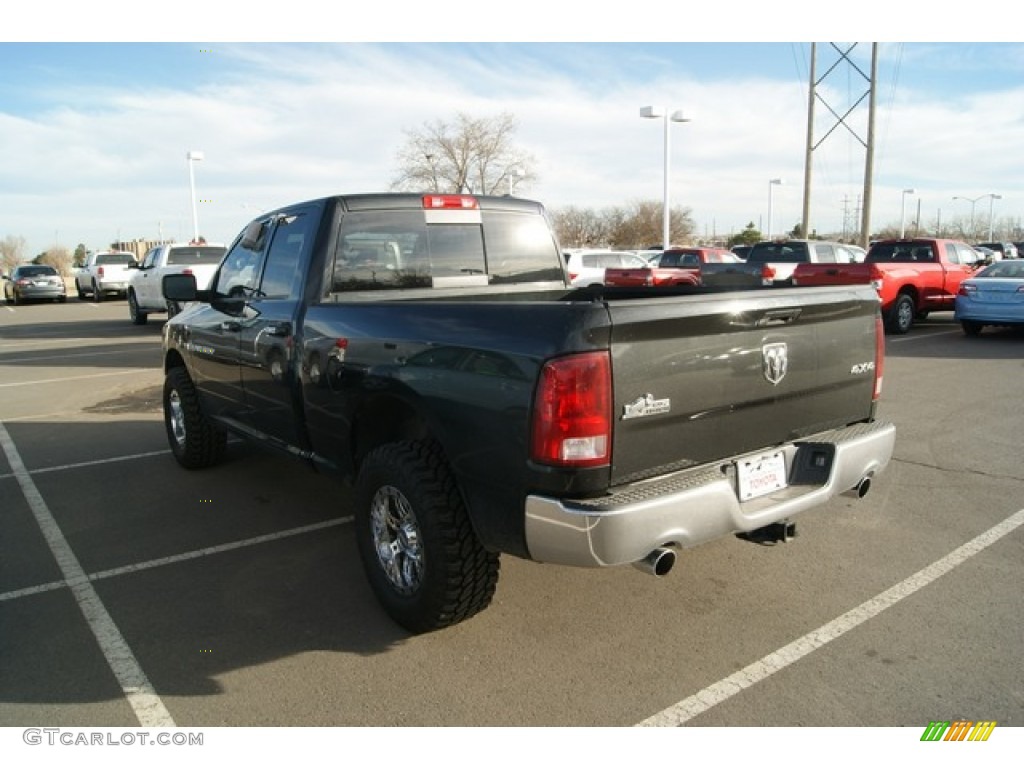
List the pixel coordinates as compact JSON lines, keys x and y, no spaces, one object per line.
{"x":903,"y":212}
{"x":513,"y":174}
{"x":992,"y":197}
{"x":973,"y":200}
{"x":675,"y":117}
{"x":772,"y":184}
{"x":193,"y":156}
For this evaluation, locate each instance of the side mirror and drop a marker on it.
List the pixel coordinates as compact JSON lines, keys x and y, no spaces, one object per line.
{"x":180,"y":287}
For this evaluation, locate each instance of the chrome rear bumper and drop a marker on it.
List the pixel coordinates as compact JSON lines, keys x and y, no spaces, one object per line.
{"x":697,"y":505}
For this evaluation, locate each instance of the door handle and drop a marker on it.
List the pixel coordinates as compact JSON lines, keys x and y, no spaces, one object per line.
{"x":231,"y":326}
{"x":280,"y":329}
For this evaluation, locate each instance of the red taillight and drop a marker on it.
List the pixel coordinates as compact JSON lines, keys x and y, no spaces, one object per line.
{"x":879,"y":356}
{"x":877,"y":277}
{"x":99,"y":272}
{"x":572,"y":412}
{"x":450,"y":202}
{"x":573,"y":275}
{"x":767,"y":274}
{"x":187,"y":271}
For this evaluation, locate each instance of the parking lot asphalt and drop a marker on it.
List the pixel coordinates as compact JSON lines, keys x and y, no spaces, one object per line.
{"x":135,"y":592}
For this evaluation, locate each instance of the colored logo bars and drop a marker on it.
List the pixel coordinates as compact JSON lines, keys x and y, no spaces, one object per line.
{"x":958,"y":730}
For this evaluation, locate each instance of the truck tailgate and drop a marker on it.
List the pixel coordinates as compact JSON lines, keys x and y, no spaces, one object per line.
{"x":831,"y":274}
{"x":717,"y":376}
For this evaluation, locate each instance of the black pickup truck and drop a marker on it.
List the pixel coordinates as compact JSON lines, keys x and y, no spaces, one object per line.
{"x":429,"y":350}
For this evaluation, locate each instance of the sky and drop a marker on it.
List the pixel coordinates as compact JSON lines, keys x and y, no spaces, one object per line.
{"x":94,"y":134}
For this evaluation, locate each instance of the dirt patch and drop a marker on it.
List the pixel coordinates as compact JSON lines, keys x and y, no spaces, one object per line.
{"x":139,"y":401}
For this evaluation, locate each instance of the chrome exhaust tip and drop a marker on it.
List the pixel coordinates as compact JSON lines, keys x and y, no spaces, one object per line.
{"x":860,"y":490}
{"x":658,"y":563}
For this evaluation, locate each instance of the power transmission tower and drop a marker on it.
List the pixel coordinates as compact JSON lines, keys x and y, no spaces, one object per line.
{"x":814,"y":97}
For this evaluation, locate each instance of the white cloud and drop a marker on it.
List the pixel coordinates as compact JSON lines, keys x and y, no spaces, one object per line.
{"x":289,"y":123}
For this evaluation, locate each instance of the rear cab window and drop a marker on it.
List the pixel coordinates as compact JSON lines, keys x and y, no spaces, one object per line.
{"x":793,"y":253}
{"x":425,"y":248}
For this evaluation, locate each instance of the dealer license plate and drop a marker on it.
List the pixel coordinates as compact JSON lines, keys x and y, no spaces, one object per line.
{"x":760,"y":475}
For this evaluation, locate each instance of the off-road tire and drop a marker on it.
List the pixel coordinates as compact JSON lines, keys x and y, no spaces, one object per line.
{"x":441,"y":574}
{"x":195,"y":441}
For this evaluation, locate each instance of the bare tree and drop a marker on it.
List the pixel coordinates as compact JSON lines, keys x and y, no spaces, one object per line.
{"x":580,"y":227}
{"x":469,"y":155}
{"x":640,"y":225}
{"x":59,"y":258}
{"x":12,"y":253}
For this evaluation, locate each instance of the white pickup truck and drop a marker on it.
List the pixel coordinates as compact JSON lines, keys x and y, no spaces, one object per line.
{"x":104,"y":272}
{"x":145,"y":291}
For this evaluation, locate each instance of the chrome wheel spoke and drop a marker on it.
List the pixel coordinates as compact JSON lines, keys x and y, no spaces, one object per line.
{"x":177,"y":416}
{"x":396,"y":539}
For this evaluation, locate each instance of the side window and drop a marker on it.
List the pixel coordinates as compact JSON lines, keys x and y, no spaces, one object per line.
{"x":844,"y":255}
{"x":826,"y":253}
{"x":150,"y":258}
{"x":282,"y":273}
{"x":953,"y":254}
{"x":239,"y":272}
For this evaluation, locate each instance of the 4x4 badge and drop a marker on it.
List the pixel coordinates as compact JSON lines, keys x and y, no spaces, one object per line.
{"x":774,"y":361}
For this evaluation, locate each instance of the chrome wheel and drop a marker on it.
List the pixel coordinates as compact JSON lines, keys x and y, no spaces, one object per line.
{"x":176,"y":418}
{"x":396,"y":539}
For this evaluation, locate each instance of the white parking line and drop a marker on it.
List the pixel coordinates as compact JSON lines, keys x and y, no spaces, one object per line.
{"x":65,"y":356}
{"x":96,"y":462}
{"x":71,"y":378}
{"x":920,"y":336}
{"x":147,"y":705}
{"x":171,"y":559}
{"x":700,"y":702}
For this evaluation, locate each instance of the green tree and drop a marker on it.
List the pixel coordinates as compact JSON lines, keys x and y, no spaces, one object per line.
{"x":751,"y":235}
{"x":474,"y":155}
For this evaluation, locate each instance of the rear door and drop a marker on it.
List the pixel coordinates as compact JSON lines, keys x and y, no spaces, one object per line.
{"x":709,"y":377}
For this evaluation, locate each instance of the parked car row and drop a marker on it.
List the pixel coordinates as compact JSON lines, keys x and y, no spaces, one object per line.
{"x":1000,"y":250}
{"x":913,"y":276}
